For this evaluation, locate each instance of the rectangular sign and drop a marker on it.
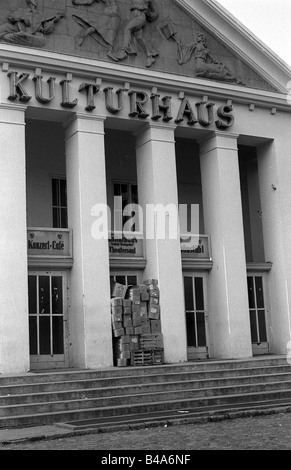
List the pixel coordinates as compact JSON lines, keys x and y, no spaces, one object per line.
{"x":122,"y":245}
{"x":125,"y":246}
{"x":195,"y":247}
{"x":49,"y":242}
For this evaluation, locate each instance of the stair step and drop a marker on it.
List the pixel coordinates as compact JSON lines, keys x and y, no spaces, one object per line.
{"x":202,"y":386}
{"x":135,"y":399}
{"x":199,"y":405}
{"x":113,"y":381}
{"x":46,"y":377}
{"x":172,"y":415}
{"x":131,"y":394}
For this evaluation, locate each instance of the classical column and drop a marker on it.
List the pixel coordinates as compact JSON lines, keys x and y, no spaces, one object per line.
{"x":89,"y":315}
{"x":229,"y":314}
{"x":157,"y":185}
{"x":14,"y":331}
{"x":274,"y":179}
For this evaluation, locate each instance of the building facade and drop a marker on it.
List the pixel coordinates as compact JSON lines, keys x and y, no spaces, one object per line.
{"x":161,"y":104}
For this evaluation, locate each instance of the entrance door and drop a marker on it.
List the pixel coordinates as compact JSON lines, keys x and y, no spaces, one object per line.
{"x":257,"y":306}
{"x":47,"y":319}
{"x":196,"y":318}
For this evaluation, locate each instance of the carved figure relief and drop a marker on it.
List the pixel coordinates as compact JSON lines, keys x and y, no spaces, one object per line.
{"x":126,"y":29}
{"x":206,"y":65}
{"x":104,"y":29}
{"x":27,"y":26}
{"x":142,"y":11}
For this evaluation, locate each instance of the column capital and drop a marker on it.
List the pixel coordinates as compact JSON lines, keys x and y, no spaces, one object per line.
{"x":14,"y":106}
{"x":11,"y":113}
{"x":155,"y":131}
{"x":84,"y":122}
{"x":218,"y":140}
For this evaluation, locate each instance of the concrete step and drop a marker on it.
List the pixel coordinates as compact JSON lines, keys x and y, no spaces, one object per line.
{"x":183,"y":416}
{"x":123,"y":380}
{"x":108,"y":394}
{"x":198,"y":366}
{"x":198,"y":406}
{"x":176,"y":392}
{"x":137,"y":388}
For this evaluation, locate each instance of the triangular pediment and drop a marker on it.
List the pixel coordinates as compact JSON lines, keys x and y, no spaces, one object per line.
{"x":192,"y":38}
{"x":198,"y":52}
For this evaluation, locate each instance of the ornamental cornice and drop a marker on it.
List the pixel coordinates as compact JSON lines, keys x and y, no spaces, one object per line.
{"x":28,"y":60}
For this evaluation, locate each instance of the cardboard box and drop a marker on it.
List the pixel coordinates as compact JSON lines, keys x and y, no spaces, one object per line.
{"x":146,"y":327}
{"x":134,"y":293}
{"x":154,"y":293}
{"x":136,"y":308}
{"x":119,"y":290}
{"x":138,"y":330}
{"x":115,"y":302}
{"x":124,"y":340}
{"x":154,"y":312}
{"x":127,"y":321}
{"x":122,"y":362}
{"x":136,"y":319}
{"x":116,"y":309}
{"x":156,"y":326}
{"x":154,"y":301}
{"x":116,"y":317}
{"x":127,"y":310}
{"x":134,"y":343}
{"x":144,"y":310}
{"x":117,"y":325}
{"x":145,"y":297}
{"x":136,"y":322}
{"x":125,"y":355}
{"x":119,"y":332}
{"x":126,"y":303}
{"x":143,"y":289}
{"x":129,"y":330}
{"x":125,"y":347}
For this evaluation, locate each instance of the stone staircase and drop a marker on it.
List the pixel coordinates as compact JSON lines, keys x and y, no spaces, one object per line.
{"x":82,"y":399}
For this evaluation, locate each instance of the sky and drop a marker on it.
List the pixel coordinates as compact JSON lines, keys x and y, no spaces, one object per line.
{"x":269,"y":20}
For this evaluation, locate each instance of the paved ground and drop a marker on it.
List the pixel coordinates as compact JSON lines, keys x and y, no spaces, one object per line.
{"x":269,"y":432}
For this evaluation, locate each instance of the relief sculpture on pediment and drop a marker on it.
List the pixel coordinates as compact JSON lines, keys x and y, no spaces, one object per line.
{"x":27,"y":26}
{"x":142,"y":12}
{"x":138,"y":33}
{"x":205,"y":64}
{"x":104,"y":28}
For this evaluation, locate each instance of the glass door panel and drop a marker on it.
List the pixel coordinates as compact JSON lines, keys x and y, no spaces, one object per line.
{"x":47,"y":310}
{"x":194,"y":294}
{"x":257,"y":311}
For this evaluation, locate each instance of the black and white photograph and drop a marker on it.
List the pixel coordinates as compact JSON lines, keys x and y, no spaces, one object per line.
{"x":145,"y":230}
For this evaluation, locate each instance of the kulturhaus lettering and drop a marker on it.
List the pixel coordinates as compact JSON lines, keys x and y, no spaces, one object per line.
{"x":142,"y":105}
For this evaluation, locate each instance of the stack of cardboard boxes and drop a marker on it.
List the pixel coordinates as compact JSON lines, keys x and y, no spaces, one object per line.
{"x":136,"y":324}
